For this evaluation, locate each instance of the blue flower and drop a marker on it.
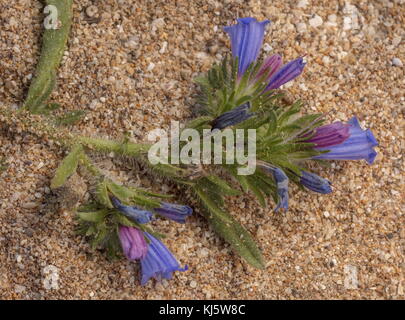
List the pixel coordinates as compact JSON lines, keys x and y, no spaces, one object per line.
{"x":246,"y":40}
{"x":315,"y":183}
{"x":359,"y":145}
{"x":286,"y":73}
{"x":230,"y":118}
{"x":282,"y":184}
{"x":176,"y":212}
{"x":282,"y":188}
{"x":132,"y":212}
{"x":159,"y":262}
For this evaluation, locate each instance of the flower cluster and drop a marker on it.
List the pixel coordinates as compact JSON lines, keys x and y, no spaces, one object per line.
{"x":156,"y":260}
{"x":336,"y":141}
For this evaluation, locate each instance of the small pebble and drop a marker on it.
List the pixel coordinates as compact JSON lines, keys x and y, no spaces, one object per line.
{"x":301,"y":27}
{"x":151,"y":66}
{"x":91,"y":11}
{"x":397,"y":62}
{"x":302,"y":4}
{"x":316,"y":21}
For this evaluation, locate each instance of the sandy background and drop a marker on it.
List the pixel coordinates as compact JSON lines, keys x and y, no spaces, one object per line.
{"x":130,"y":66}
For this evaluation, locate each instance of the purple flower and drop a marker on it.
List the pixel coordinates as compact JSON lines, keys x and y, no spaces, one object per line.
{"x":132,"y":212}
{"x":246,"y":40}
{"x":330,"y":135}
{"x":270,"y":66}
{"x":230,"y":118}
{"x":159,"y":262}
{"x":133,"y":242}
{"x":315,"y":183}
{"x":176,"y":212}
{"x":359,"y":145}
{"x":286,"y":73}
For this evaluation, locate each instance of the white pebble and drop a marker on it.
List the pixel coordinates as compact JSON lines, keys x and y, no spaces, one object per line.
{"x":301,"y":27}
{"x":267,"y":47}
{"x":326,"y":214}
{"x":350,"y":281}
{"x":51,"y":277}
{"x":302,"y":4}
{"x":347,"y":23}
{"x":163,"y":47}
{"x":193,"y":284}
{"x":316,"y":21}
{"x":151,"y":66}
{"x":397,"y":62}
{"x":325,"y":59}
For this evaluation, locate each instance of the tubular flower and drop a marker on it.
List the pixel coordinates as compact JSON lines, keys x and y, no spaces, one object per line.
{"x":282,"y":188}
{"x":159,"y":262}
{"x":286,"y":73}
{"x":315,"y":183}
{"x":230,"y":118}
{"x":175,"y":212}
{"x":282,"y":184}
{"x":270,"y":66}
{"x":132,"y":212}
{"x":133,"y":242}
{"x":359,"y":145}
{"x":330,"y":135}
{"x":246,"y":40}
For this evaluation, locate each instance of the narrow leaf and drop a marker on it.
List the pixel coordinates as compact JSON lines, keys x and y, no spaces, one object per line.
{"x":67,"y":167}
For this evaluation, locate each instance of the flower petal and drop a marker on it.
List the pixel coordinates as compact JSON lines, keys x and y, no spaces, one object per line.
{"x":330,"y":135}
{"x":175,"y":212}
{"x":246,"y":40}
{"x":315,"y":183}
{"x":232,"y":117}
{"x":286,"y":73}
{"x":132,"y":212}
{"x":133,"y":242}
{"x":358,"y":146}
{"x":159,"y":262}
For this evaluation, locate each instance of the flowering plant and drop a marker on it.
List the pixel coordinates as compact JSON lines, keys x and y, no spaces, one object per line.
{"x":240,"y":93}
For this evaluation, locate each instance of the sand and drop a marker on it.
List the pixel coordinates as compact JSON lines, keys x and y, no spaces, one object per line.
{"x":130,"y":66}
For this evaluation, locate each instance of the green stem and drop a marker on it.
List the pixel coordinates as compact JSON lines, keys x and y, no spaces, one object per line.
{"x":124,"y":149}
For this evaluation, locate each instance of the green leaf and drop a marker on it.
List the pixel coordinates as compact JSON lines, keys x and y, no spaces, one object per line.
{"x":121,"y":192}
{"x":93,"y":216}
{"x":199,"y":122}
{"x":67,"y":167}
{"x":151,"y":194}
{"x":102,"y":194}
{"x":256,"y":190}
{"x":223,"y":185}
{"x":229,"y":229}
{"x":53,"y":47}
{"x":101,"y":235}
